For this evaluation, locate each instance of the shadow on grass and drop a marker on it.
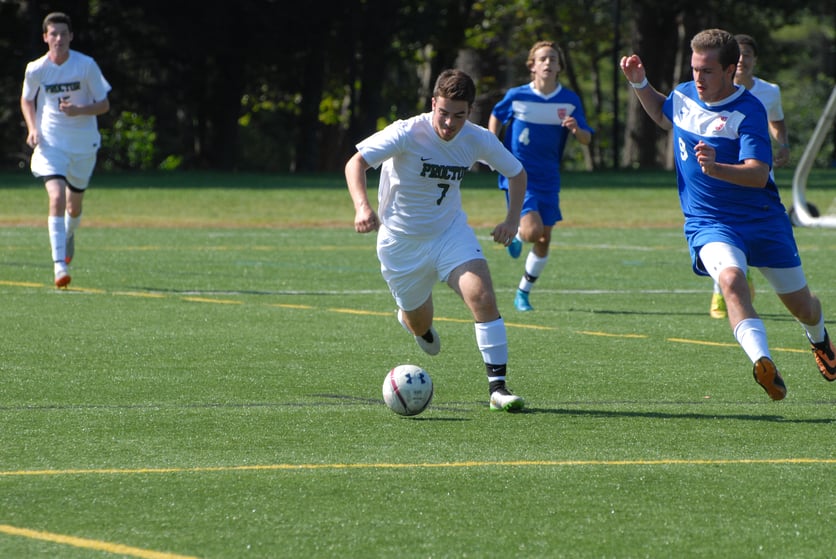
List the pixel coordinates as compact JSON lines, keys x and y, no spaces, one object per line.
{"x":777,"y":317}
{"x":672,"y":415}
{"x":450,"y":407}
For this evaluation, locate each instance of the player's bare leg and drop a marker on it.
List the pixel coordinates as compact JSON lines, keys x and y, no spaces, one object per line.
{"x":472,"y":281}
{"x":532,"y":230}
{"x":419,"y":323}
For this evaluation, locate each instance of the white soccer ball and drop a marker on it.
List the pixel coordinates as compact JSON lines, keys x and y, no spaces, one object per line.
{"x":407,"y":389}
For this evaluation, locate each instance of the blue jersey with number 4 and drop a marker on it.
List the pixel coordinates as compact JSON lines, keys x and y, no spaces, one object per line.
{"x":535,"y":132}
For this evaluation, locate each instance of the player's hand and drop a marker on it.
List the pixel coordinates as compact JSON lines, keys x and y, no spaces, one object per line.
{"x":366,"y":221}
{"x":571,"y":123}
{"x":782,"y":157}
{"x":504,"y":233}
{"x":706,"y":156}
{"x":68,"y":108}
{"x":32,"y":139}
{"x":632,"y":68}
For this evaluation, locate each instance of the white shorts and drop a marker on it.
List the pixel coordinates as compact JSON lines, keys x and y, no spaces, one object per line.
{"x":412,"y":267}
{"x":77,"y":168}
{"x":716,"y":257}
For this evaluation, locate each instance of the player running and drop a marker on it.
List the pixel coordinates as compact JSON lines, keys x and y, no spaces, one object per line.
{"x":733,"y":213}
{"x":423,"y":235}
{"x":538,"y":119}
{"x":70,"y":92}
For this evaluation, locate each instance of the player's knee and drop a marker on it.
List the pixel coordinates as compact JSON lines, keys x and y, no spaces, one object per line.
{"x":483,"y":303}
{"x":732,"y":279}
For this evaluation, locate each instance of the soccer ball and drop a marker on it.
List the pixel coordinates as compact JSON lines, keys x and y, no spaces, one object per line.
{"x":407,"y":389}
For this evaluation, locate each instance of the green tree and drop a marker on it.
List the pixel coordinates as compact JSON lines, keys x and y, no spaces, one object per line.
{"x":277,"y":86}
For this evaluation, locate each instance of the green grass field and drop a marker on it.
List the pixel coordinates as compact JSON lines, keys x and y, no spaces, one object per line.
{"x":209,"y":386}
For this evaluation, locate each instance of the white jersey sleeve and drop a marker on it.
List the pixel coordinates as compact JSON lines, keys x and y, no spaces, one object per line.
{"x":78,"y":80}
{"x":770,"y":95}
{"x":421,"y":174}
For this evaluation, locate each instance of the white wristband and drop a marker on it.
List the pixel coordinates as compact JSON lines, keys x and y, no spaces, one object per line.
{"x":639,"y":85}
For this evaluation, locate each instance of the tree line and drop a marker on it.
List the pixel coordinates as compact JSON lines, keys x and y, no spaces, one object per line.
{"x":279,"y":86}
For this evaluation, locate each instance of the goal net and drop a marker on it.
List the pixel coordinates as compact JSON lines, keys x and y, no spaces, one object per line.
{"x":803,"y":213}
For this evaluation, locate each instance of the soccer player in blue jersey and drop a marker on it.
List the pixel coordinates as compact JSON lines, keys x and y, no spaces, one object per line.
{"x":537,"y":119}
{"x":770,"y":95}
{"x":733,"y":213}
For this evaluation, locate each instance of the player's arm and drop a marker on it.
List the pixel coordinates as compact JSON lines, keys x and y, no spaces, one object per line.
{"x":504,"y":232}
{"x":27,"y":107}
{"x":778,"y":130}
{"x":494,"y":125}
{"x":750,"y":172}
{"x":652,"y":101}
{"x":365,"y":219}
{"x":583,"y":136}
{"x":95,"y":108}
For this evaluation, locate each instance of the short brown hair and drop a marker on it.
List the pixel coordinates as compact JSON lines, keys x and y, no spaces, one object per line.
{"x":455,"y":85}
{"x":720,"y":40}
{"x":57,"y":17}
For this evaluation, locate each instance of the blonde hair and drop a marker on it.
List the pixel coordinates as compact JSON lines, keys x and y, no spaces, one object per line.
{"x":561,"y":59}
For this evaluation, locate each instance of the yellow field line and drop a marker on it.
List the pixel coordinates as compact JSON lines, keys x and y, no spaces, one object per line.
{"x":140,"y":294}
{"x":608,"y":335}
{"x":20,"y":283}
{"x":207,"y":300}
{"x":85,"y":543}
{"x":730,"y":344}
{"x":418,"y":465}
{"x":378,"y":313}
{"x":90,"y":290}
{"x":360,"y":312}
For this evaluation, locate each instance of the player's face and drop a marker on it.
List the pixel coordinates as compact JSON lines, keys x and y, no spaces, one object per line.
{"x":746,"y":63}
{"x":449,"y":117}
{"x":546,"y":65}
{"x":714,"y":83}
{"x":58,"y":37}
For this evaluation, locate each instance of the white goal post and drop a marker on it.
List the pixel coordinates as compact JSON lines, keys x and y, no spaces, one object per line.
{"x":800,"y":212}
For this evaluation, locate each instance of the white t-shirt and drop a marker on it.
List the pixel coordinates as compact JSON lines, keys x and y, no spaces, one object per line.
{"x":770,"y":95}
{"x":419,"y":192}
{"x":78,"y":78}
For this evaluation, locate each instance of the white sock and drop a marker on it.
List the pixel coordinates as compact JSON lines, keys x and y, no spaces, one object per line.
{"x":492,"y":340}
{"x":815,"y":331}
{"x":751,"y":335}
{"x":717,"y":288}
{"x":534,"y":266}
{"x":71,"y":223}
{"x":57,"y":238}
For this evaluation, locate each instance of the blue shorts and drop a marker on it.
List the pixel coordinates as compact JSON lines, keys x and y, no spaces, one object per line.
{"x":766,"y":244}
{"x":547,"y":204}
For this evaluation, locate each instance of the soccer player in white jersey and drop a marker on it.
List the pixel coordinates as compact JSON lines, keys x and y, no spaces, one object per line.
{"x":733,"y":213}
{"x":770,"y":95}
{"x":538,"y":118}
{"x":422,"y":232}
{"x":63,"y":93}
